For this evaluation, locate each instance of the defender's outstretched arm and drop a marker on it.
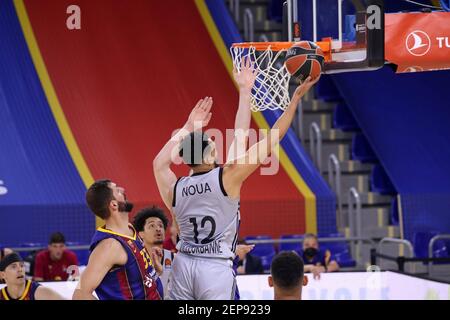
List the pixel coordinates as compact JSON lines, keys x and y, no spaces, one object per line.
{"x":245,"y":79}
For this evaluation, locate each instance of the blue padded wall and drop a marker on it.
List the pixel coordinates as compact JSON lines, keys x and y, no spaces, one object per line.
{"x":45,"y":192}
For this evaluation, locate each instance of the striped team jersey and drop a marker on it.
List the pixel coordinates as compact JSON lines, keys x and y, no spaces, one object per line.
{"x":28,"y":293}
{"x":166,"y":262}
{"x":208,"y":219}
{"x":137,"y":279}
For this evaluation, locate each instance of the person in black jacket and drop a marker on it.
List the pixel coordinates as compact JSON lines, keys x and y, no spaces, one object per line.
{"x":248,"y":263}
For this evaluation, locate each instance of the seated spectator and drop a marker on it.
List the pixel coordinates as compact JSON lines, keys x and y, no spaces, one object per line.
{"x":4,"y":252}
{"x":317,"y":261}
{"x":286,"y":276}
{"x":246,"y":262}
{"x":12,"y":271}
{"x":52,"y":264}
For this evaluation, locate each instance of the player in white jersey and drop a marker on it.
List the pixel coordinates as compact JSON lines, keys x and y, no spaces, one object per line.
{"x":206,"y":204}
{"x":151,"y":224}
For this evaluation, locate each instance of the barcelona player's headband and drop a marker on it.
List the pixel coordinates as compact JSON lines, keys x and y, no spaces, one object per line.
{"x":9,"y":259}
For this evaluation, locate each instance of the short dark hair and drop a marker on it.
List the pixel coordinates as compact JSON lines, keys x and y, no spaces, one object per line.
{"x":192,"y":148}
{"x":98,"y":197}
{"x":149,"y":212}
{"x":9,"y":259}
{"x":287,"y":270}
{"x":57,"y":237}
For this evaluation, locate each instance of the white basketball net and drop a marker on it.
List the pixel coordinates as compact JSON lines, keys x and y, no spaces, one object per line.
{"x":271,"y":88}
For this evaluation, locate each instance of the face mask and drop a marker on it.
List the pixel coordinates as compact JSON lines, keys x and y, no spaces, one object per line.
{"x":311,"y":252}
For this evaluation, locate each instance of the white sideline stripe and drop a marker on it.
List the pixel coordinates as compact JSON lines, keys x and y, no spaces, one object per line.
{"x":339,"y":285}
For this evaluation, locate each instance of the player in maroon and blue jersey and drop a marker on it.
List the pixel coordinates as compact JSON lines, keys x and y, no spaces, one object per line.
{"x":119,"y":267}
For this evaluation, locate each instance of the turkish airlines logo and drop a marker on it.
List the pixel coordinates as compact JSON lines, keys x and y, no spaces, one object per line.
{"x":418,"y":43}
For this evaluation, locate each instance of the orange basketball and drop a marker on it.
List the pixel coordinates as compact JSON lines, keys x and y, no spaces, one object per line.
{"x":304,"y":59}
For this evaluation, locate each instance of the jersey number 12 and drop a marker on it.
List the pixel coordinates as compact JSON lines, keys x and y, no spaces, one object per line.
{"x":209,"y":238}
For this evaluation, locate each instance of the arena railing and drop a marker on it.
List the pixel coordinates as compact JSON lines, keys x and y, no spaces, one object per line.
{"x":430,"y":250}
{"x":402,"y":260}
{"x":315,"y":145}
{"x":234,"y":8}
{"x":25,"y":249}
{"x":355,"y":219}
{"x":249,"y":26}
{"x":371,"y":242}
{"x":334,"y":179}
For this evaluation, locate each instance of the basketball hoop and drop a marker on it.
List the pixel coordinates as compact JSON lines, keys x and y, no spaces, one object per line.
{"x":271,"y":88}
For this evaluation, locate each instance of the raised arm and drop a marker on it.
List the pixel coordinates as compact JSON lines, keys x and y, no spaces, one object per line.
{"x":107,"y":254}
{"x":245,"y":79}
{"x":235,"y":174}
{"x":165,"y":178}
